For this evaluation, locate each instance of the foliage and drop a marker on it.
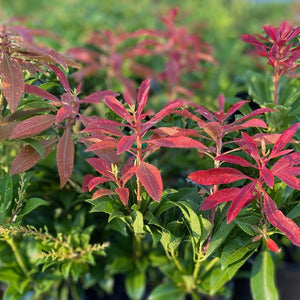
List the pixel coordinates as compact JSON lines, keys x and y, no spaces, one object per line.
{"x":162,"y":241}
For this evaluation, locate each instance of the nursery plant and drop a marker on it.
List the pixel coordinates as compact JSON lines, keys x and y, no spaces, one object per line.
{"x":84,"y":207}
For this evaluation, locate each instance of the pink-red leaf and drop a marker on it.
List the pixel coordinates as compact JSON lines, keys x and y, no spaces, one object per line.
{"x":97,"y":96}
{"x":220,"y":196}
{"x":100,"y":166}
{"x":234,"y":160}
{"x":268,"y":177}
{"x":143,"y":96}
{"x":213,"y":129}
{"x":253,"y":151}
{"x":150,"y":178}
{"x":241,"y":199}
{"x":95,"y":181}
{"x":62,"y":77}
{"x":280,"y":221}
{"x":28,"y":157}
{"x":177,"y":142}
{"x":123,"y":194}
{"x":125,"y":143}
{"x":217,"y":176}
{"x":35,"y":90}
{"x":117,"y":107}
{"x":104,"y":144}
{"x":12,"y":81}
{"x":102,"y":193}
{"x":65,"y":157}
{"x":32,"y":126}
{"x":284,"y":139}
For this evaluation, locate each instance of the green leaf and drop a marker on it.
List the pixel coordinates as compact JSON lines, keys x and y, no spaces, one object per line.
{"x":192,"y":219}
{"x":167,"y":290}
{"x":6,"y":188}
{"x":219,"y":237}
{"x":138,"y":222}
{"x":135,"y":284}
{"x":103,"y":205}
{"x":36,"y":146}
{"x":246,"y":223}
{"x":262,"y":277}
{"x":169,"y":241}
{"x":295,"y":212}
{"x":236,"y":249}
{"x":31,"y":204}
{"x":65,"y":269}
{"x":119,"y":225}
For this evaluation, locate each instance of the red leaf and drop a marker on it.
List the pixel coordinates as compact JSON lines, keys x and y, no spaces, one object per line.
{"x":6,"y":129}
{"x":177,"y":142}
{"x":101,"y":193}
{"x":86,"y":181}
{"x":217,"y":176}
{"x":143,"y":96}
{"x":168,"y":109}
{"x":284,"y":139}
{"x":100,"y":166}
{"x":65,"y":157}
{"x":213,"y":129}
{"x":32,"y":126}
{"x":125,"y":143}
{"x":12,"y":81}
{"x":235,"y":160}
{"x":97,"y":96}
{"x":35,"y":90}
{"x":234,"y":108}
{"x":253,"y":151}
{"x":286,"y":162}
{"x":220,"y":196}
{"x":247,"y":124}
{"x":150,"y":178}
{"x":239,"y":202}
{"x":272,"y":245}
{"x":123,"y":194}
{"x":63,"y":113}
{"x":127,"y":174}
{"x":289,"y":179}
{"x":117,"y":107}
{"x":95,"y":181}
{"x":104,"y":144}
{"x":268,"y":177}
{"x":62,"y":77}
{"x":280,"y":221}
{"x":28,"y":157}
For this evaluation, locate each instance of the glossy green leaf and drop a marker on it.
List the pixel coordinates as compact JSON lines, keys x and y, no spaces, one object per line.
{"x":167,"y":290}
{"x":138,"y":222}
{"x":31,"y":204}
{"x":6,"y":188}
{"x":219,"y":237}
{"x":262,"y":277}
{"x":135,"y":284}
{"x":235,"y":250}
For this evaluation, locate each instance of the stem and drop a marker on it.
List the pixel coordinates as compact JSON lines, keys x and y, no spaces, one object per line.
{"x":177,"y":263}
{"x":275,"y":84}
{"x":197,"y":266}
{"x":74,"y":292}
{"x":13,"y":247}
{"x":1,"y":103}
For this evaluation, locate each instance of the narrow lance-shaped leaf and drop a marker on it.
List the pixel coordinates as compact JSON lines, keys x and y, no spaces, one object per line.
{"x":65,"y":157}
{"x":217,"y":176}
{"x":143,"y":96}
{"x":117,"y":107}
{"x":125,"y":143}
{"x":150,"y":178}
{"x":123,"y":194}
{"x":234,"y":160}
{"x":12,"y":81}
{"x":280,"y":221}
{"x":284,"y":139}
{"x":35,"y":90}
{"x":97,"y":96}
{"x":262,"y":277}
{"x":28,"y":157}
{"x":32,"y":126}
{"x":62,"y":77}
{"x":225,"y":195}
{"x":177,"y":142}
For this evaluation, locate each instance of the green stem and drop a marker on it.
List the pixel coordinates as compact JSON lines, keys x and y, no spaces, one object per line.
{"x":13,"y":247}
{"x":177,"y":263}
{"x":74,"y":292}
{"x":197,"y":266}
